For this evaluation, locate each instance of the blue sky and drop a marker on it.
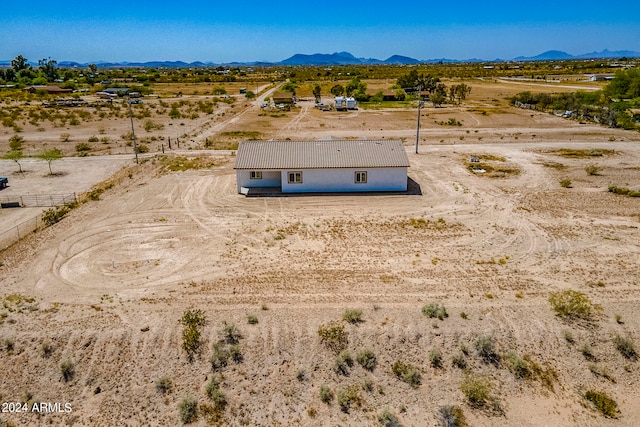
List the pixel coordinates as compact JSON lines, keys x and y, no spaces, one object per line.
{"x":212,"y":31}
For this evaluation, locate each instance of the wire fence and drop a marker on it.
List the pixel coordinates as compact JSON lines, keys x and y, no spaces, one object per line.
{"x":19,"y":231}
{"x":38,"y":200}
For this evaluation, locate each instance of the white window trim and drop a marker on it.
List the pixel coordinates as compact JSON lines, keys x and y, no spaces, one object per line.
{"x":360,"y":174}
{"x":255,"y":175}
{"x":295,"y":173}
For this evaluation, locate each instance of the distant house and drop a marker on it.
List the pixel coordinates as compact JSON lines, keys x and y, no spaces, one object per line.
{"x":283,"y":98}
{"x":120,"y":91}
{"x":321,"y":166}
{"x":600,"y":77}
{"x":49,"y":89}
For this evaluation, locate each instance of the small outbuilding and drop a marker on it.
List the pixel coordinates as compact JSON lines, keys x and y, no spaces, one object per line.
{"x":321,"y":166}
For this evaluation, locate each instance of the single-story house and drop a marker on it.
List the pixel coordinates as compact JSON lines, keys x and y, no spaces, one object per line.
{"x":282,"y":98}
{"x":321,"y":166}
{"x":48,"y":89}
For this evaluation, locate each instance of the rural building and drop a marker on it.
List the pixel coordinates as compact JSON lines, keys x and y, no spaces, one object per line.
{"x":49,"y":89}
{"x":282,"y":98}
{"x":119,"y":91}
{"x":345,"y":103}
{"x":321,"y":166}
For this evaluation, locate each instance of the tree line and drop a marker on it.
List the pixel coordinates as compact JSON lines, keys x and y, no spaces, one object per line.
{"x":609,"y":106}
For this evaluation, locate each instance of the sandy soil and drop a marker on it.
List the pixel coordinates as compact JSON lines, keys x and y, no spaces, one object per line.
{"x":112,"y":279}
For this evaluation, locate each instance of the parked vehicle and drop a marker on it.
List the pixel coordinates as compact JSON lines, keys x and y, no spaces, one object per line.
{"x":4,"y":182}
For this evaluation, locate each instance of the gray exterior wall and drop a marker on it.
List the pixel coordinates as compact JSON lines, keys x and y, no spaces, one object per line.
{"x":343,"y":180}
{"x":270,"y":178}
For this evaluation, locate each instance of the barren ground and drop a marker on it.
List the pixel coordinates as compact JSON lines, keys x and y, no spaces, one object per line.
{"x":112,"y":279}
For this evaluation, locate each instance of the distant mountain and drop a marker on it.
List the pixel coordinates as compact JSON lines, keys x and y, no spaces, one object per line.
{"x":345,"y":58}
{"x":557,"y":55}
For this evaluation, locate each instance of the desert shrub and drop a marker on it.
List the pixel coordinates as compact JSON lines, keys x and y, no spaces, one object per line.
{"x":452,"y":416}
{"x":517,"y":365}
{"x":435,"y":358}
{"x":387,"y":419}
{"x":53,"y":215}
{"x":435,"y":311}
{"x":571,"y":304}
{"x":216,"y":395}
{"x":93,"y":138}
{"x":348,"y":396}
{"x":83,"y":147}
{"x":193,"y":320}
{"x":603,"y":403}
{"x":601,"y":372}
{"x":47,"y":349}
{"x":16,"y":142}
{"x":625,"y":347}
{"x":333,"y":335}
{"x":592,"y":169}
{"x":367,"y":359}
{"x":220,"y":357}
{"x":236,"y":354}
{"x":188,"y":408}
{"x":352,"y":315}
{"x":407,"y":373}
{"x":301,"y":375}
{"x":477,"y":389}
{"x":68,"y":370}
{"x":252,"y":320}
{"x":486,"y":350}
{"x":326,"y":394}
{"x":459,"y":361}
{"x":343,"y":362}
{"x":367,"y":385}
{"x":566,"y":183}
{"x":164,"y":385}
{"x":65,"y":137}
{"x":142,"y":148}
{"x":568,"y":336}
{"x":587,"y":352}
{"x":230,"y":333}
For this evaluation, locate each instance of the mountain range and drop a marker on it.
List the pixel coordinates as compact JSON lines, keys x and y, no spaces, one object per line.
{"x":346,"y":58}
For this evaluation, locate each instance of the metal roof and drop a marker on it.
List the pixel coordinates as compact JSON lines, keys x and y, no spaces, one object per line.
{"x":321,"y":154}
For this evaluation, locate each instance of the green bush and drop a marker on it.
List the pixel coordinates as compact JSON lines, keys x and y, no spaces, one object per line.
{"x":367,"y":359}
{"x":452,"y":416}
{"x":55,"y":214}
{"x":252,"y":320}
{"x":343,"y":362}
{"x":230,"y":333}
{"x":352,"y":315}
{"x":435,"y":358}
{"x":571,"y":304}
{"x":459,"y":361}
{"x":326,"y":394}
{"x":625,"y":347}
{"x":486,"y":350}
{"x":193,"y":320}
{"x":387,"y":419}
{"x":68,"y":370}
{"x":220,"y":357}
{"x":83,"y":147}
{"x":216,"y":395}
{"x":333,"y":335}
{"x":517,"y":365}
{"x":164,"y":385}
{"x":603,"y":403}
{"x":236,"y":354}
{"x":188,"y":408}
{"x":477,"y":389}
{"x":566,"y":183}
{"x":435,"y":311}
{"x":407,"y":373}
{"x":592,"y":169}
{"x":348,"y":396}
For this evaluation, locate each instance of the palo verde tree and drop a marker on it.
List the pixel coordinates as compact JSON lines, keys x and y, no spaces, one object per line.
{"x":337,"y":90}
{"x":16,"y":156}
{"x":316,"y":93}
{"x":49,"y":156}
{"x":413,"y":80}
{"x":19,"y":63}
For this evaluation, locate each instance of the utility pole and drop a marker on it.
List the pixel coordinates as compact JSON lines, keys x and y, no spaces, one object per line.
{"x":420,"y":104}
{"x":133,"y":132}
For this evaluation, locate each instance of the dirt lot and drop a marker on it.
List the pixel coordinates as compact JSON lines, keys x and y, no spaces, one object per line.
{"x":111,"y":280}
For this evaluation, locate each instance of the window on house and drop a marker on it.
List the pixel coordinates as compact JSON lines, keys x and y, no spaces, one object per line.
{"x":256,"y":175}
{"x":361,"y":177}
{"x":295,"y":177}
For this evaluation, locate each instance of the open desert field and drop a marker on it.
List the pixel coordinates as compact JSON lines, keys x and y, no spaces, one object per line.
{"x":328,"y":310}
